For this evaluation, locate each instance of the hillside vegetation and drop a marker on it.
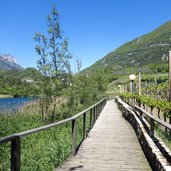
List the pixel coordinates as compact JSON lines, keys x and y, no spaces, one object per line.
{"x":148,"y":53}
{"x":19,"y":83}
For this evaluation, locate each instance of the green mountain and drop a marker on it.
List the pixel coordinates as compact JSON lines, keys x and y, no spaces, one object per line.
{"x":148,"y":53}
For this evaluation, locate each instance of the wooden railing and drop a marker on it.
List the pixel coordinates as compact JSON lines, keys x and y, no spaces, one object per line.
{"x":144,"y":124}
{"x":152,"y":119}
{"x":15,"y":139}
{"x":144,"y":114}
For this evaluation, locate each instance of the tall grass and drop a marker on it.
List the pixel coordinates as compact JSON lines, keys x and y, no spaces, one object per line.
{"x":164,"y":135}
{"x":46,"y":150}
{"x":41,"y":151}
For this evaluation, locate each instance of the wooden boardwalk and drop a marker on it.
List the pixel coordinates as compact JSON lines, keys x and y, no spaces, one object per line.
{"x":111,"y":145}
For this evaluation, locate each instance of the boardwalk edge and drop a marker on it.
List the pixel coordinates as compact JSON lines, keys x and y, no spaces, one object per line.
{"x":155,"y":158}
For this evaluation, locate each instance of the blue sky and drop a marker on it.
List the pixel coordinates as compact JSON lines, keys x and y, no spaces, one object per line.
{"x":94,"y":27}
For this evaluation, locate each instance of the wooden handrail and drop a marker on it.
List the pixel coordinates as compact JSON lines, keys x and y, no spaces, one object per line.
{"x":159,"y":121}
{"x":143,"y":113}
{"x":15,"y":138}
{"x":25,"y":133}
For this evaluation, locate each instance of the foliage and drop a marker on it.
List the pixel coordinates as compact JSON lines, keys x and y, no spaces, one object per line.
{"x":152,"y":102}
{"x":53,"y":63}
{"x":42,"y":151}
{"x":56,"y":147}
{"x":85,"y":90}
{"x":15,"y":82}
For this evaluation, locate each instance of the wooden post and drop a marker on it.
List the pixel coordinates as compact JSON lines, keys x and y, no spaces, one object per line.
{"x":94,"y":115}
{"x":155,"y":84}
{"x":91,"y":118}
{"x":74,"y":146}
{"x":169,"y":76}
{"x":146,"y":86}
{"x":141,"y":115}
{"x":98,"y":110}
{"x":95,"y":112}
{"x":15,"y":154}
{"x":170,"y":85}
{"x":152,"y":125}
{"x":84,"y":126}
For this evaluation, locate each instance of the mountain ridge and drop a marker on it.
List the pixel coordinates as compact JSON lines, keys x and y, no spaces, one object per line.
{"x":8,"y":62}
{"x":142,"y":52}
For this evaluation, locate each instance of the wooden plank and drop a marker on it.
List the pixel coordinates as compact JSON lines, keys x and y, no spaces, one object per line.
{"x":111,"y":145}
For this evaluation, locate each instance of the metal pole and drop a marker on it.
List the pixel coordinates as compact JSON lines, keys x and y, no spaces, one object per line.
{"x":131,"y":91}
{"x":139,"y":84}
{"x":131,"y":83}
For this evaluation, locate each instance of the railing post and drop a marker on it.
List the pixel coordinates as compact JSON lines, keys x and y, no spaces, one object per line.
{"x":152,"y":124}
{"x":74,"y":146}
{"x":84,"y":126}
{"x":100,"y":107}
{"x":94,"y":115}
{"x":141,"y":114}
{"x":15,"y":154}
{"x":98,"y":110}
{"x":91,"y":118}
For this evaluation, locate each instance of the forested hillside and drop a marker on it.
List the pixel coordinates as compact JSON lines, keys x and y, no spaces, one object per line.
{"x":19,"y":83}
{"x":148,"y":53}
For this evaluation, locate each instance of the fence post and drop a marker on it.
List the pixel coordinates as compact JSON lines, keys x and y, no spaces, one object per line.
{"x":94,"y":115}
{"x":74,"y":148}
{"x":96,"y":112}
{"x":84,"y":126}
{"x":15,"y":154}
{"x":91,"y":118}
{"x":152,"y":124}
{"x":141,"y":114}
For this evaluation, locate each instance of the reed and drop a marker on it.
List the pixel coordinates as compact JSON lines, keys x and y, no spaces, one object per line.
{"x":42,"y":151}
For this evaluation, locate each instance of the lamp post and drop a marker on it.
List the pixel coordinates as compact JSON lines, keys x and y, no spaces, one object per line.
{"x":132,"y":78}
{"x":119,"y":86}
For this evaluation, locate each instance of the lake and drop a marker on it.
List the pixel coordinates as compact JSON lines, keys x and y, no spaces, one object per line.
{"x":12,"y":104}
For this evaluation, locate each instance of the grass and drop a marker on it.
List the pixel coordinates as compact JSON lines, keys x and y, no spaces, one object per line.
{"x":41,"y":151}
{"x":46,"y":150}
{"x":165,"y":137}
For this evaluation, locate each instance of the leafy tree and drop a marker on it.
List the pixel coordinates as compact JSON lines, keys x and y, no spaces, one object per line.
{"x":53,"y":63}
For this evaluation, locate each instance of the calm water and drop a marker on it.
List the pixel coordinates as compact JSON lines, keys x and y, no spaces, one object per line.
{"x":12,"y":104}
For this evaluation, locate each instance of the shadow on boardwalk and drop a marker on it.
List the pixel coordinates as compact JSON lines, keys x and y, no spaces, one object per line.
{"x":111,"y":145}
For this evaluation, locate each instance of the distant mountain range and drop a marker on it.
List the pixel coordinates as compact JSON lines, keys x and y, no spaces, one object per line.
{"x":8,"y":62}
{"x":145,"y":53}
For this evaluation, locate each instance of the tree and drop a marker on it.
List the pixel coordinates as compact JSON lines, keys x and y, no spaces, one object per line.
{"x":53,"y":63}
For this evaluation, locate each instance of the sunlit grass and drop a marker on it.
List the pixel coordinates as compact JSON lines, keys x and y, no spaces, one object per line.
{"x":41,"y":151}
